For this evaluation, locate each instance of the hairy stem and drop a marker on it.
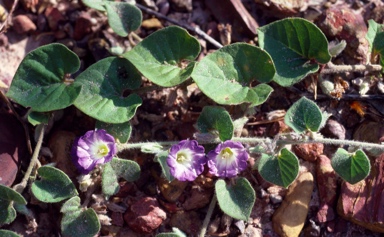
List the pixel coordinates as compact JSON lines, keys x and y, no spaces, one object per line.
{"x":21,"y":186}
{"x":334,"y":69}
{"x":208,"y":216}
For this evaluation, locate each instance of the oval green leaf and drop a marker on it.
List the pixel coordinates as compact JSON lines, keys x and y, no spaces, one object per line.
{"x":304,"y":115}
{"x":8,"y":233}
{"x":109,"y":182}
{"x":236,"y":200}
{"x":163,"y":57}
{"x":8,"y":198}
{"x":123,"y":17}
{"x":104,"y":85}
{"x":352,"y":167}
{"x":161,"y":157}
{"x":77,"y":221}
{"x":375,"y":37}
{"x":225,"y":75}
{"x":175,"y":233}
{"x":120,"y":131}
{"x":214,"y":118}
{"x":296,"y":46}
{"x":8,"y":194}
{"x":36,"y":118}
{"x":96,"y":4}
{"x":281,"y":169}
{"x":54,"y":186}
{"x":126,"y":169}
{"x":41,"y":81}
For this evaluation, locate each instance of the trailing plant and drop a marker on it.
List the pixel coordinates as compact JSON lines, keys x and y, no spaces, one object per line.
{"x":290,"y":50}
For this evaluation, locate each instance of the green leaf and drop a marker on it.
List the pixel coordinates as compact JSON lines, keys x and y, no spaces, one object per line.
{"x":41,"y":80}
{"x":120,"y":131}
{"x":161,"y":157}
{"x":96,"y":4}
{"x":304,"y":115}
{"x":216,"y":118}
{"x":162,"y":56}
{"x":104,"y":85}
{"x":352,"y":167}
{"x":77,"y":221}
{"x":8,"y":233}
{"x":175,"y":233}
{"x":226,"y":75}
{"x":375,"y":37}
{"x":9,"y":197}
{"x":54,"y":186}
{"x":123,"y":17}
{"x":236,"y":200}
{"x":109,"y":184}
{"x":36,"y":118}
{"x":281,"y":169}
{"x":118,"y":168}
{"x":296,"y":47}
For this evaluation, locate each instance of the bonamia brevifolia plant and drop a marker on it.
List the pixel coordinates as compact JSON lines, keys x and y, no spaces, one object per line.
{"x":237,"y":74}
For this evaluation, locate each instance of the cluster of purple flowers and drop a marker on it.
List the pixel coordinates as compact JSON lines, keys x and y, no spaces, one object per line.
{"x":187,"y":159}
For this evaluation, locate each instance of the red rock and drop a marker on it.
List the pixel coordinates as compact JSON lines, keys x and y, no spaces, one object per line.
{"x":83,"y":26}
{"x":363,"y":202}
{"x":342,"y":23}
{"x":327,"y":186}
{"x":117,"y":218}
{"x":145,"y":215}
{"x":54,"y":16}
{"x":308,"y":152}
{"x":23,"y":25}
{"x":199,"y":198}
{"x":125,"y":189}
{"x":171,"y":191}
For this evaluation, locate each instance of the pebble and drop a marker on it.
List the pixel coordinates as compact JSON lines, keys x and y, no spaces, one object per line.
{"x":288,"y":220}
{"x":22,"y":24}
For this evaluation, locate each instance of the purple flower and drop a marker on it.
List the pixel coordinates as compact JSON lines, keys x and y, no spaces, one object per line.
{"x":227,"y":160}
{"x":95,"y":147}
{"x":186,"y":160}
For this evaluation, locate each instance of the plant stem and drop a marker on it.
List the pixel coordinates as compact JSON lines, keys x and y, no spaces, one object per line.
{"x":332,"y":68}
{"x":21,"y":186}
{"x":208,"y":216}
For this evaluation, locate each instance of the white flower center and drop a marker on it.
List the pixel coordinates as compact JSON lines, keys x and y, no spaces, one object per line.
{"x":102,"y":150}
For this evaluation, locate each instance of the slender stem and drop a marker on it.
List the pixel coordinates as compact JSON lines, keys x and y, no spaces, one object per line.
{"x":208,"y":216}
{"x":21,"y":186}
{"x":332,"y":68}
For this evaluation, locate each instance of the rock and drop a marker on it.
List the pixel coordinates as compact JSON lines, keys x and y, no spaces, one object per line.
{"x":327,"y":186}
{"x":171,"y":191}
{"x":288,"y":220}
{"x":199,"y":198}
{"x":83,"y":26}
{"x":60,"y":144}
{"x":308,"y":152}
{"x":189,"y":222}
{"x":23,"y":25}
{"x":117,"y":218}
{"x":369,"y":131}
{"x":145,"y":215}
{"x":363,"y":202}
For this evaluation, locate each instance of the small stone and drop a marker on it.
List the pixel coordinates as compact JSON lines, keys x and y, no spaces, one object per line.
{"x":54,"y":17}
{"x":308,"y":152}
{"x":171,"y":191}
{"x":362,"y":203}
{"x":117,"y":218}
{"x":23,"y":25}
{"x":327,"y":186}
{"x":288,"y":220}
{"x":188,"y":222}
{"x":145,"y":215}
{"x":199,"y":198}
{"x":152,"y":23}
{"x":83,"y":26}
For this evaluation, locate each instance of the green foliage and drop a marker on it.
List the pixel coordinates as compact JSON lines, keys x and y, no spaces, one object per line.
{"x":9,"y":197}
{"x":352,"y":167}
{"x":281,"y":169}
{"x":36,"y":118}
{"x":41,"y":80}
{"x":226,"y":75}
{"x":304,"y":115}
{"x":8,"y":233}
{"x":54,"y":186}
{"x":77,"y":221}
{"x":175,"y":233}
{"x":375,"y":37}
{"x":161,"y":157}
{"x":120,"y":131}
{"x":104,"y":85}
{"x":165,"y":56}
{"x":123,"y":17}
{"x":118,"y":168}
{"x":296,"y":47}
{"x":236,"y":200}
{"x":214,"y":118}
